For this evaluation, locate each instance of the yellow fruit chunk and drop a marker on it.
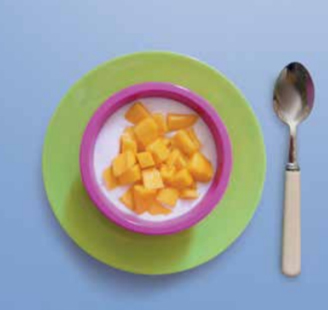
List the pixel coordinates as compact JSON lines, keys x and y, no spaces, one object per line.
{"x":159,"y":150}
{"x":123,"y":162}
{"x":109,"y":178}
{"x":146,"y":131}
{"x":168,"y":196}
{"x":128,"y":145}
{"x":156,"y":209}
{"x":193,"y":186}
{"x":145,"y":160}
{"x":152,"y":178}
{"x":192,"y":134}
{"x":167,"y":173}
{"x":180,"y":162}
{"x":143,"y":198}
{"x":180,"y":121}
{"x":131,"y":175}
{"x":188,"y":193}
{"x":176,"y":159}
{"x":182,"y":179}
{"x":127,"y":199}
{"x":200,"y":168}
{"x":161,"y":123}
{"x":183,"y":141}
{"x":136,"y":113}
{"x":129,"y":134}
{"x":166,"y":141}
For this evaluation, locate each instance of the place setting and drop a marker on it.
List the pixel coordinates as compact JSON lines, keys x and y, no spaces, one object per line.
{"x":154,"y":162}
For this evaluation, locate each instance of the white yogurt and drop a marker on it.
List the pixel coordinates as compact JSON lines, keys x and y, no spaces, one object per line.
{"x":107,"y":148}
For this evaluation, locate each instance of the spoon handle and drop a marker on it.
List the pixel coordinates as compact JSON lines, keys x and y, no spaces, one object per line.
{"x":291,"y":251}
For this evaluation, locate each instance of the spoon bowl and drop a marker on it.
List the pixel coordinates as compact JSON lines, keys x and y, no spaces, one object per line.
{"x":294,"y":94}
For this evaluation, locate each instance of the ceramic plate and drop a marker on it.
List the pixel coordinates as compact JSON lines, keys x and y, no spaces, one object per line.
{"x":116,"y":246}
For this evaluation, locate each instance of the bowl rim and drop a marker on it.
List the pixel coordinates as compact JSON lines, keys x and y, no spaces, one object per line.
{"x":185,"y":96}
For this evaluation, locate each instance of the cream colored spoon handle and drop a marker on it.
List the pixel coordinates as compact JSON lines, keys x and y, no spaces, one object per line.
{"x":291,"y":248}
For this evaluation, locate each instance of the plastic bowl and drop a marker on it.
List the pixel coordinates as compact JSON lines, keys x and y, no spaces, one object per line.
{"x":222,"y":143}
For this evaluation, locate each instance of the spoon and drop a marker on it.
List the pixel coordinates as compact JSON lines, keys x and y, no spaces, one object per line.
{"x":293,"y":101}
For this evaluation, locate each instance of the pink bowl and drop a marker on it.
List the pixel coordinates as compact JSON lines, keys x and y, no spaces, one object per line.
{"x":222,"y":143}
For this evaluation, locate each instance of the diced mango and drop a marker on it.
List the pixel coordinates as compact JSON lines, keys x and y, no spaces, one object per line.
{"x":171,"y":159}
{"x":193,"y":185}
{"x":166,"y":141}
{"x":183,"y":141}
{"x":128,"y":145}
{"x":161,"y":167}
{"x":109,"y":178}
{"x":152,"y":178}
{"x":200,"y":168}
{"x":136,"y":113}
{"x":180,"y":162}
{"x":168,"y":196}
{"x":176,"y":159}
{"x":143,"y":198}
{"x":167,"y":173}
{"x":130,"y":176}
{"x":159,"y":150}
{"x":180,"y":121}
{"x":145,"y":160}
{"x":161,"y":123}
{"x":146,"y":131}
{"x":182,"y":179}
{"x":123,"y":162}
{"x":130,"y":159}
{"x":156,"y":209}
{"x":128,"y":133}
{"x":192,"y":134}
{"x":127,"y":198}
{"x":188,"y":193}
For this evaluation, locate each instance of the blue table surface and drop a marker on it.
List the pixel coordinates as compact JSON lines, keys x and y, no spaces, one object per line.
{"x":47,"y":45}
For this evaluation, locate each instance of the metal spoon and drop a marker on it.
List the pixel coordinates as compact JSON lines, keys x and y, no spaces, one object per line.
{"x":293,"y":101}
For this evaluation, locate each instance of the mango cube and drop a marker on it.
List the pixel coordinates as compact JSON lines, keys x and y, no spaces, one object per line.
{"x":130,"y":176}
{"x":146,"y":131}
{"x":159,"y":150}
{"x":168,"y":196}
{"x":128,"y":145}
{"x":183,"y":141}
{"x":109,"y":178}
{"x":122,"y":162}
{"x":143,"y":198}
{"x":192,"y":134}
{"x":188,"y":193}
{"x":145,"y":160}
{"x":136,"y":113}
{"x":200,"y":168}
{"x":180,"y":121}
{"x":176,"y":159}
{"x":180,"y":162}
{"x":129,"y":134}
{"x":161,"y":123}
{"x":127,"y":199}
{"x":167,"y":173}
{"x":157,"y":209}
{"x":182,"y":179}
{"x":152,"y":178}
{"x":166,"y":141}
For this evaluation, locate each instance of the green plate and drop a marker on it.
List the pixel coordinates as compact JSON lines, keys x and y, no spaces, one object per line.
{"x":130,"y":251}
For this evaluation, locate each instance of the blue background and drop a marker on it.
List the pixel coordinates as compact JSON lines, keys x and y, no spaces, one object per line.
{"x":45,"y":46}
